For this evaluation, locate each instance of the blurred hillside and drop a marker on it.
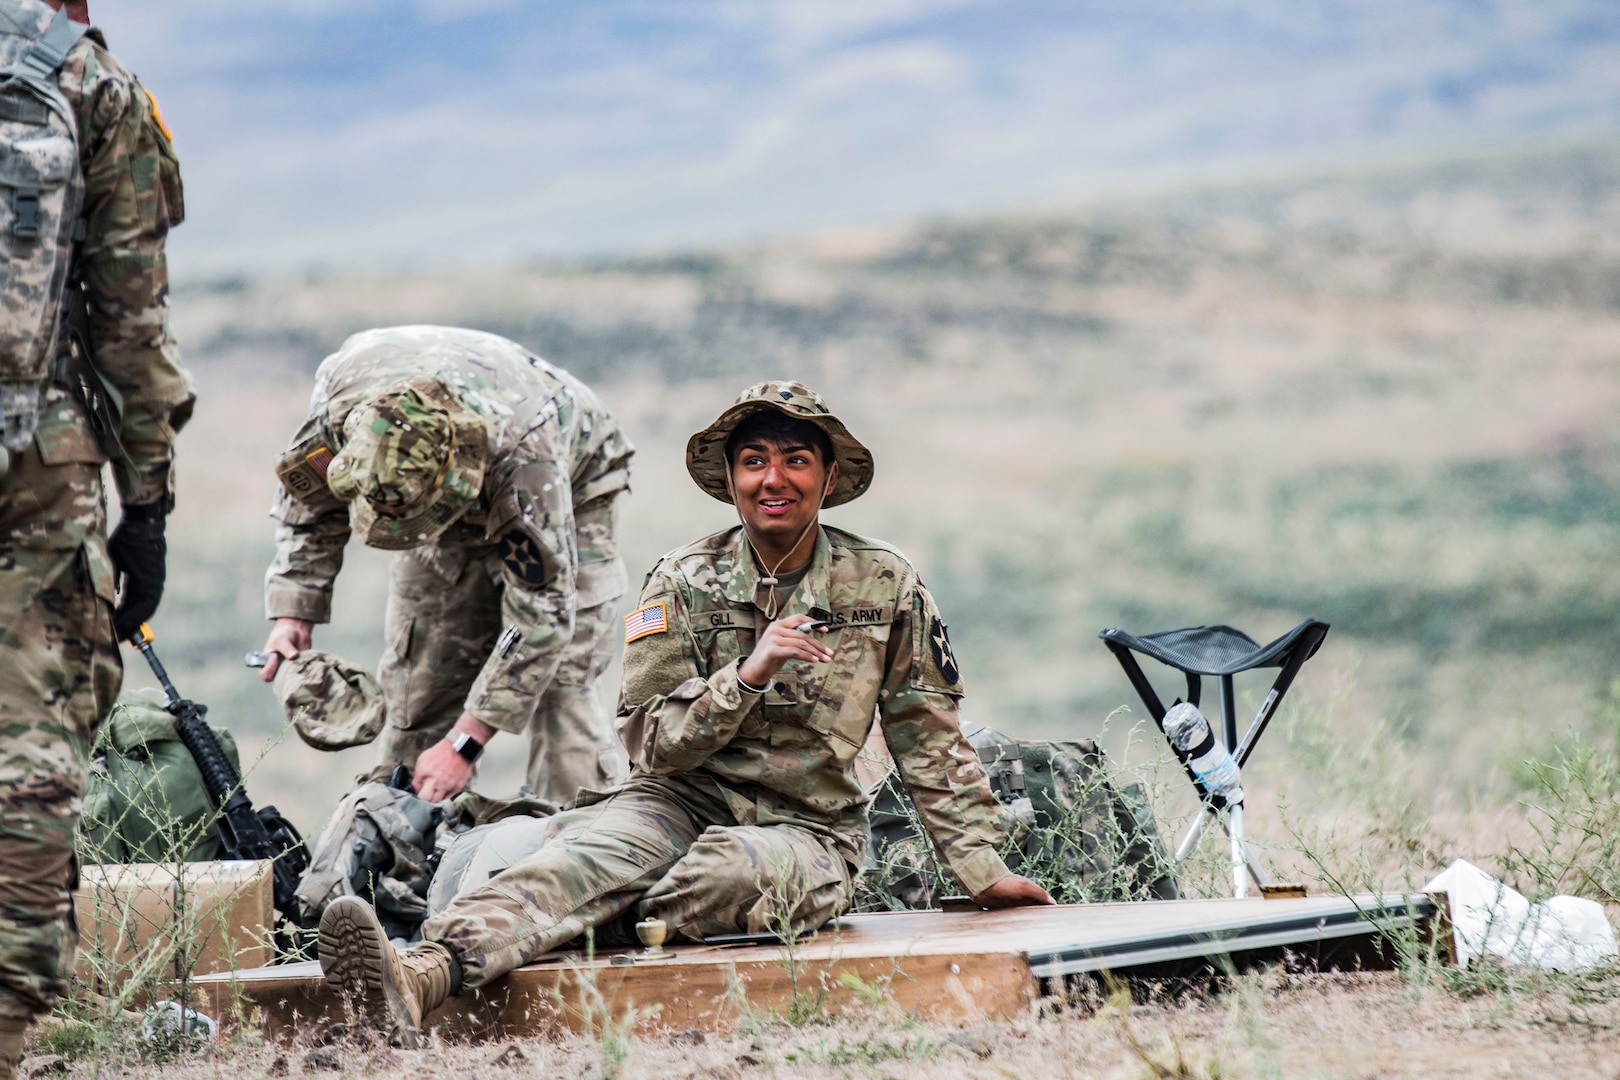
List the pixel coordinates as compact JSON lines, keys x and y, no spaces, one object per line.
{"x":1383,"y":399}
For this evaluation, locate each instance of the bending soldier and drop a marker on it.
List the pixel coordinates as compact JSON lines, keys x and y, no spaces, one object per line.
{"x":495,"y":478}
{"x":86,"y":281}
{"x":754,"y":668}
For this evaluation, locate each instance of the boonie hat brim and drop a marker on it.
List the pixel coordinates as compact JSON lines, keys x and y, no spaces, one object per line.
{"x":706,"y":450}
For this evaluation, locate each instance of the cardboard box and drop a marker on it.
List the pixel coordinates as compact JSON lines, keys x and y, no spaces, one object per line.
{"x":153,"y":920}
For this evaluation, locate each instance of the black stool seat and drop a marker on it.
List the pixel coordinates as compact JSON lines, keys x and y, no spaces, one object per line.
{"x":1221,"y":652}
{"x":1216,"y":650}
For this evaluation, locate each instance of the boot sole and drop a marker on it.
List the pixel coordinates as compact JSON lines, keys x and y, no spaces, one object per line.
{"x":355,"y":953}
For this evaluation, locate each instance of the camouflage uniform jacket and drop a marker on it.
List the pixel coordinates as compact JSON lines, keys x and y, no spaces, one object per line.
{"x":553,"y":446}
{"x":788,"y":755}
{"x":133,"y":196}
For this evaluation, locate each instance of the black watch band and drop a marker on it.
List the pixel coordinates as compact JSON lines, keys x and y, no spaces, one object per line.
{"x":149,"y":512}
{"x":467,"y":746}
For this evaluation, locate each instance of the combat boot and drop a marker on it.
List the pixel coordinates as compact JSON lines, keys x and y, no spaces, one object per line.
{"x":12,"y":1030}
{"x":393,"y":990}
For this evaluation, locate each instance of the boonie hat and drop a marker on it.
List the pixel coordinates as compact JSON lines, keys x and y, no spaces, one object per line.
{"x":706,"y":451}
{"x":412,"y":462}
{"x":332,"y":704}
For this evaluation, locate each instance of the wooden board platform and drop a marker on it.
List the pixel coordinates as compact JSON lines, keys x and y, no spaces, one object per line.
{"x":944,"y":966}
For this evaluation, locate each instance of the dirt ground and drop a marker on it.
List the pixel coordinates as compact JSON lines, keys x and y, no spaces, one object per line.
{"x":1351,"y":1026}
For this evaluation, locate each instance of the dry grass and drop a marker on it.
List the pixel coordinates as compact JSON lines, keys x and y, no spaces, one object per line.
{"x":1351,"y":1026}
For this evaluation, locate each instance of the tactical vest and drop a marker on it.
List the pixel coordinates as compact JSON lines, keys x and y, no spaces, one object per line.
{"x":384,"y":845}
{"x":41,"y":197}
{"x":378,"y":846}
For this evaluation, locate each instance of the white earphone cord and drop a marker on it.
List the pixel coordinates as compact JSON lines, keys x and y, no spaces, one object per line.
{"x":769,"y":578}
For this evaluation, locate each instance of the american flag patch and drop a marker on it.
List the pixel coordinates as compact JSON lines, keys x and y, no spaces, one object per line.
{"x":319,"y":460}
{"x":648,"y":620}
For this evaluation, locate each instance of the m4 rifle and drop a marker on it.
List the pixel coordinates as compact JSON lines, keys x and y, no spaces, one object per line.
{"x":244,"y":833}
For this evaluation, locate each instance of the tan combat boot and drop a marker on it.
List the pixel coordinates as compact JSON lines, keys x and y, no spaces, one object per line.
{"x":12,"y":1031}
{"x":393,"y":990}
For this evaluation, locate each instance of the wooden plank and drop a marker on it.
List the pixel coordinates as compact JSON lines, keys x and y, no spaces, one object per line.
{"x":652,"y":996}
{"x":945,"y":966}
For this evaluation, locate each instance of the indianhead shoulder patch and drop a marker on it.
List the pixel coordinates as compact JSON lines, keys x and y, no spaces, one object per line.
{"x":939,"y":643}
{"x":521,"y":555}
{"x":642,"y":622}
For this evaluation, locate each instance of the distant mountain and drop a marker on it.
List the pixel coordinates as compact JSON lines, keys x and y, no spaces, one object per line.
{"x":371,"y":133}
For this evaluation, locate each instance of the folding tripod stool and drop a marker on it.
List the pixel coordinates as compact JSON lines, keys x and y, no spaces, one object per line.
{"x":1220,"y":652}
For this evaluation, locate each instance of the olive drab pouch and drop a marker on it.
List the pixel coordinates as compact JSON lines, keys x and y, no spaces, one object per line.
{"x":41,"y":194}
{"x":146,"y":800}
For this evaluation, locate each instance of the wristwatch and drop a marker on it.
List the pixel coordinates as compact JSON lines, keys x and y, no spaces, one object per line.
{"x":467,"y":746}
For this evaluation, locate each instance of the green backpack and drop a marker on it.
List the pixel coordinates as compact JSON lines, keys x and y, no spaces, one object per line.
{"x":146,"y":801}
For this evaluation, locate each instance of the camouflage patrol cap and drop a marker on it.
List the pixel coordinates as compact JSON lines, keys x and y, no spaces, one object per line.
{"x":332,"y":704}
{"x":412,"y":463}
{"x":706,"y":451}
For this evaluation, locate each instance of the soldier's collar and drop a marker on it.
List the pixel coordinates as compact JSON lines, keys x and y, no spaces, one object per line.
{"x":743,"y":583}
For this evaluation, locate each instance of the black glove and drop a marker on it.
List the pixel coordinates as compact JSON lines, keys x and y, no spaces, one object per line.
{"x":140,"y":555}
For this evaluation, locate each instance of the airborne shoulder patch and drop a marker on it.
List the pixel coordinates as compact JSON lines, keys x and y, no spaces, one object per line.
{"x":652,"y":619}
{"x":302,"y":471}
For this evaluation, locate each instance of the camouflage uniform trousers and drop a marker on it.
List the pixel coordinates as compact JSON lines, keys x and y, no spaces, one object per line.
{"x":444,"y":618}
{"x":666,"y":845}
{"x":59,"y":674}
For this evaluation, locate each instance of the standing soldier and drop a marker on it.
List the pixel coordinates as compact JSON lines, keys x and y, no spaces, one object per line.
{"x":89,"y":188}
{"x":495,"y":477}
{"x":755,"y":668}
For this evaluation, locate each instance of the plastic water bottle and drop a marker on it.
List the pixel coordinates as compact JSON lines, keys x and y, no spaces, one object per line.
{"x":1211,"y":762}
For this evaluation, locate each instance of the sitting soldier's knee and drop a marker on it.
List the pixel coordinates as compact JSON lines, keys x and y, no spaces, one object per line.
{"x":706,"y":892}
{"x":720,"y":849}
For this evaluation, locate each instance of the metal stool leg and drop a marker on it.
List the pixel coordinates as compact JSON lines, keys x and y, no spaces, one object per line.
{"x":1242,"y":855}
{"x":1240,"y":862}
{"x":1229,"y":733}
{"x":1190,"y":841}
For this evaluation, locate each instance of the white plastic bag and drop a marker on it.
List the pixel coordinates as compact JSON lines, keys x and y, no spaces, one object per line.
{"x":1564,"y":933}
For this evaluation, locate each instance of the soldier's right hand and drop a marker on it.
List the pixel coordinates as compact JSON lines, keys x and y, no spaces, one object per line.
{"x":783,"y":641}
{"x":288,"y":637}
{"x":1013,"y":891}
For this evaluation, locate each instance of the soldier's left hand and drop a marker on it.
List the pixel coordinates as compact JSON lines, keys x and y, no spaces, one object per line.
{"x":1013,"y":891}
{"x":440,"y":773}
{"x":139,"y":555}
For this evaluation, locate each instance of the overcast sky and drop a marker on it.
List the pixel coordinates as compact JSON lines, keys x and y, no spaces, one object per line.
{"x":344,"y":133}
